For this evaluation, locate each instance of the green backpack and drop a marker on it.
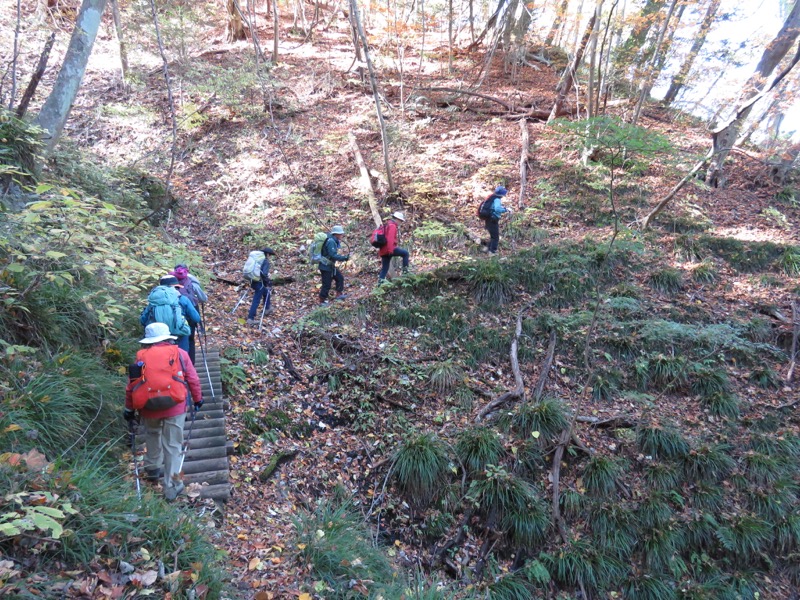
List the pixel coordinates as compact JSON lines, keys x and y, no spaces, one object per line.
{"x":163,"y":306}
{"x":316,"y":250}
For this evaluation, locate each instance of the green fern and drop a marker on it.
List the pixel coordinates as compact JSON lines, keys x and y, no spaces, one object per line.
{"x":478,"y":447}
{"x":420,"y":469}
{"x":601,"y":474}
{"x":661,"y":442}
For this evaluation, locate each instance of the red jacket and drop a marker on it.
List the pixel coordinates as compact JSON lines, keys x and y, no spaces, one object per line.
{"x":390,"y":231}
{"x":191,"y":378}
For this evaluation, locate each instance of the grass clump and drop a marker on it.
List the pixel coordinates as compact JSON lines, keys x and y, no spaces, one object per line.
{"x":705,"y":272}
{"x":510,"y":587}
{"x":648,"y":587}
{"x":709,"y":463}
{"x":662,"y":476}
{"x":445,"y":376}
{"x":661,"y":442}
{"x":721,"y":404}
{"x":420,"y":468}
{"x":337,"y":549}
{"x":478,"y":447}
{"x":490,"y":283}
{"x":765,"y":377}
{"x":708,"y":379}
{"x":543,"y":420}
{"x":667,"y":280}
{"x":581,"y":563}
{"x":744,"y":536}
{"x":601,"y":474}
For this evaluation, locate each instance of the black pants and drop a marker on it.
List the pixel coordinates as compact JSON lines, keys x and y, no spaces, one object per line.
{"x":191,"y":342}
{"x":493,"y":227}
{"x":328,"y":277}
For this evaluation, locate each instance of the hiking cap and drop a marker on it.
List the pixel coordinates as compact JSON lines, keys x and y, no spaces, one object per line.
{"x":169,"y":280}
{"x":269,"y":251}
{"x":399,"y":215}
{"x":181,"y":271}
{"x":337,"y":230}
{"x":156,"y":332}
{"x":500,"y":190}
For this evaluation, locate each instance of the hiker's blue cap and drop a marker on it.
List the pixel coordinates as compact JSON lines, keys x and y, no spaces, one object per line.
{"x":500,"y":190}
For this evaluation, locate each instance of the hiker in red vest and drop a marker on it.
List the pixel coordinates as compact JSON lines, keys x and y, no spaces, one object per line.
{"x":391,"y":250}
{"x":163,"y":385}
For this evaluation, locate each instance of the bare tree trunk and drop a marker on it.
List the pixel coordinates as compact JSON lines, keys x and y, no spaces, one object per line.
{"x":568,"y":79}
{"x":591,"y":108}
{"x":235,"y":29}
{"x":680,"y":77}
{"x":557,"y":23}
{"x":36,"y":77}
{"x":577,"y":26}
{"x":123,"y":51}
{"x":645,"y":20}
{"x":13,"y":95}
{"x":649,"y":75}
{"x":422,"y":42}
{"x":449,"y":36}
{"x":55,"y":111}
{"x":523,"y":160}
{"x":471,"y":24}
{"x":373,"y":81}
{"x":670,"y":37}
{"x":366,"y":183}
{"x":605,"y":53}
{"x":723,"y":138}
{"x":275,"y":32}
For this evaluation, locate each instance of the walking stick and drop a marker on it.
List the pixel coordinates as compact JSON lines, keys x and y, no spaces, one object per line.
{"x":203,"y":347}
{"x":264,"y":308}
{"x":185,"y":445}
{"x":132,"y":433}
{"x":244,"y":295}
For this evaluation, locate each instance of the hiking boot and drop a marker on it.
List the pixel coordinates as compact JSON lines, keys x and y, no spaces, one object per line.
{"x":174,"y":491}
{"x":342,"y":296}
{"x":324,"y":303}
{"x":405,"y":270}
{"x":251,"y":322}
{"x":153,"y":475}
{"x":269,"y":311}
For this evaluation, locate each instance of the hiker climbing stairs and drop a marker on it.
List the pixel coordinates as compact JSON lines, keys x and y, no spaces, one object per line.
{"x":207,"y":457}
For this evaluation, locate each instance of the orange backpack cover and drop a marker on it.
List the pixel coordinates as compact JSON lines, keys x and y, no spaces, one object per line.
{"x":162,"y":384}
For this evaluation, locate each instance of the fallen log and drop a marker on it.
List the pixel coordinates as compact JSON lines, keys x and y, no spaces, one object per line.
{"x":276,"y":461}
{"x":366,"y":182}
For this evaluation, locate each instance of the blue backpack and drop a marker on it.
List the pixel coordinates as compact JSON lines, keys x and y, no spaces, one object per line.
{"x":163,"y":306}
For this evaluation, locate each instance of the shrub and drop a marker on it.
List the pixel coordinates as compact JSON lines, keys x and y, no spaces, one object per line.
{"x":420,"y":468}
{"x":601,"y":474}
{"x":661,"y":442}
{"x":548,"y":417}
{"x":667,"y":280}
{"x":478,"y":447}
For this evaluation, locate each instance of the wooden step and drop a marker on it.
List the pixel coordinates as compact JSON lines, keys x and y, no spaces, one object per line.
{"x":202,"y":453}
{"x":210,"y":477}
{"x":208,"y":464}
{"x":216,"y":492}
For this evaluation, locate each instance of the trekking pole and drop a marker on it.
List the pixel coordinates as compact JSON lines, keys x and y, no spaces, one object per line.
{"x":244,"y":295}
{"x":185,"y":445}
{"x":205,"y":363}
{"x":264,"y":308}
{"x":203,"y":319}
{"x":132,"y":433}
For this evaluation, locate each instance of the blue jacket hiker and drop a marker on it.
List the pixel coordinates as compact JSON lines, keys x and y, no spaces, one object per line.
{"x":166,"y":305}
{"x":492,"y":224}
{"x":262,"y":288}
{"x":327,"y":267}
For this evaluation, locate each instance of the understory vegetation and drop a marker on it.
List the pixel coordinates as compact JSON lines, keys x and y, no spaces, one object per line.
{"x":75,"y":260}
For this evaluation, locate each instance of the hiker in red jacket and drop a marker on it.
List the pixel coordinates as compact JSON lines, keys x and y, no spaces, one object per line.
{"x":162,"y":387}
{"x":391,"y":250}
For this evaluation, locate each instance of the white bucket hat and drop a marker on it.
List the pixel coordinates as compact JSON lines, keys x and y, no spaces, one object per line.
{"x":156,"y":332}
{"x":337,"y":229}
{"x":399,"y":215}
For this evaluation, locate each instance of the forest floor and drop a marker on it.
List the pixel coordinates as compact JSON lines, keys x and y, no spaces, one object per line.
{"x":246,"y":178}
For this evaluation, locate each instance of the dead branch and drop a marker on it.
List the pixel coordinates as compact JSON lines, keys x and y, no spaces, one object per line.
{"x":36,"y":77}
{"x":276,"y":461}
{"x":795,"y":333}
{"x":459,"y":92}
{"x":546,"y":365}
{"x":289,"y":366}
{"x":519,"y":385}
{"x":437,"y":555}
{"x":392,"y":402}
{"x":366,"y":182}
{"x":555,"y":475}
{"x":619,"y":422}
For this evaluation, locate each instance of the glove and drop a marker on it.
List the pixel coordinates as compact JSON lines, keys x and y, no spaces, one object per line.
{"x":198,"y":405}
{"x":129,"y":414}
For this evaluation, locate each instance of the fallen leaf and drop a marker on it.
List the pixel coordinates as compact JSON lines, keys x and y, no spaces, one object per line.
{"x":254,"y":564}
{"x":35,"y":460}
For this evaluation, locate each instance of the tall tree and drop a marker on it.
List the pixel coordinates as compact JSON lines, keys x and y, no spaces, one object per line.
{"x":642,"y":24}
{"x":235,"y":28}
{"x":53,"y":115}
{"x":557,"y":22}
{"x":700,"y":38}
{"x":650,"y":71}
{"x":724,"y":138}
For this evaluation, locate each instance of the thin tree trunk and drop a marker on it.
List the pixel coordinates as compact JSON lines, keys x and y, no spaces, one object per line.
{"x":123,"y":51}
{"x":235,"y":29}
{"x":422,"y":41}
{"x":645,"y":20}
{"x":471,"y":24}
{"x":591,"y":108}
{"x":667,"y":45}
{"x":605,"y":53}
{"x":13,"y":95}
{"x":275,"y":32}
{"x":757,"y":86}
{"x":680,"y":77}
{"x":568,"y":80}
{"x":449,"y":36}
{"x":577,"y":26}
{"x":376,"y":94}
{"x":36,"y":77}
{"x":523,"y":161}
{"x":55,"y":111}
{"x":649,"y":75}
{"x":366,"y":183}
